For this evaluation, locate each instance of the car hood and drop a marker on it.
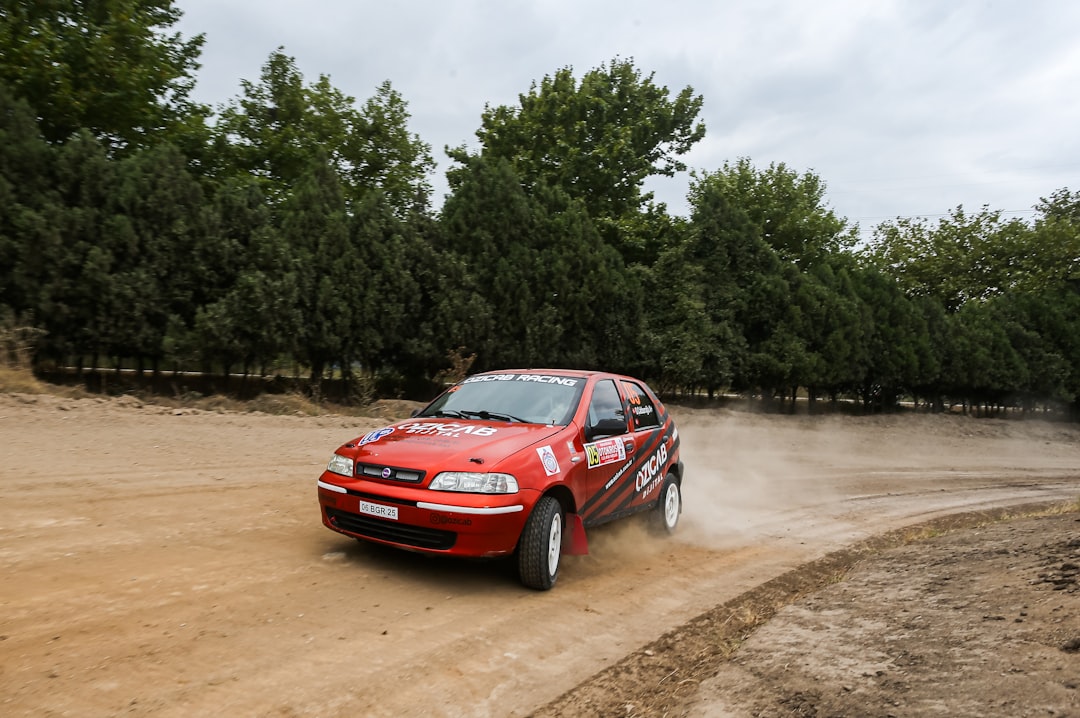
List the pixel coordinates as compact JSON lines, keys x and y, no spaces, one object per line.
{"x":445,"y":444}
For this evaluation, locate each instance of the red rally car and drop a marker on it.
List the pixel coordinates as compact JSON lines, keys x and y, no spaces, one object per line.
{"x":515,"y":462}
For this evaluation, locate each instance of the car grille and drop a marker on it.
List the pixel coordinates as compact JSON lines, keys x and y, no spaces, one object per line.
{"x":393,"y":473}
{"x":418,"y":536}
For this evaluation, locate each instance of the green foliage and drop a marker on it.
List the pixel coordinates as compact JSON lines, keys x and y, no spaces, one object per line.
{"x":27,"y":202}
{"x":108,"y":67}
{"x":555,"y":293}
{"x":276,"y":128}
{"x":302,"y":234}
{"x":964,"y":258}
{"x":786,"y":209}
{"x":897,"y":355}
{"x":315,"y":225}
{"x":248,"y":312}
{"x":597,"y":140}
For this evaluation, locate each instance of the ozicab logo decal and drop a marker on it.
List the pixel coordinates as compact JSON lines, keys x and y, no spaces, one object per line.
{"x":435,"y":428}
{"x":443,"y":520}
{"x":651,"y":471}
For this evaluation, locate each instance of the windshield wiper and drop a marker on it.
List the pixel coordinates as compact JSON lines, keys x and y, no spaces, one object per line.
{"x":481,"y":414}
{"x":497,"y":416}
{"x":453,"y":413}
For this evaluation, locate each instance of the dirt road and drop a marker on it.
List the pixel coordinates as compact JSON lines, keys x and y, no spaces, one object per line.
{"x":172,"y":563}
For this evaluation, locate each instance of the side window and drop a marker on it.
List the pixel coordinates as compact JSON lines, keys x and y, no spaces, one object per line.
{"x":606,"y":414}
{"x":642,"y":408}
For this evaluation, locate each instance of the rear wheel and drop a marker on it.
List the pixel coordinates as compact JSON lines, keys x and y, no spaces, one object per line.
{"x":540,"y":546}
{"x":669,"y":506}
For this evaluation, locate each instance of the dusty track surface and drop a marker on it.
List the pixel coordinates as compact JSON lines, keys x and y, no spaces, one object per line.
{"x":171,"y":562}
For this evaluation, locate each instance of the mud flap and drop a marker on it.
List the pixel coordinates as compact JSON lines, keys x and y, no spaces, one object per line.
{"x":575,"y":543}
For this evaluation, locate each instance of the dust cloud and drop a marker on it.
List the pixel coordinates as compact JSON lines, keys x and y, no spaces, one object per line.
{"x":745,"y":474}
{"x":742,"y":473}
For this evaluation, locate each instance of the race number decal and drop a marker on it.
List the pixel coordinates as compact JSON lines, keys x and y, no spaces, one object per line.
{"x":607,"y":451}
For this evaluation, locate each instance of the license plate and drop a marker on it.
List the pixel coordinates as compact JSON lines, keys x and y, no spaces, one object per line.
{"x":383,"y":512}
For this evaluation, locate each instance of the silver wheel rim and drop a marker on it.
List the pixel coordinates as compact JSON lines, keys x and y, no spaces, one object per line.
{"x":554,"y":544}
{"x":671,"y":505}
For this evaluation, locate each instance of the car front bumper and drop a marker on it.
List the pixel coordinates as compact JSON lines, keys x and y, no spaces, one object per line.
{"x":467,"y":525}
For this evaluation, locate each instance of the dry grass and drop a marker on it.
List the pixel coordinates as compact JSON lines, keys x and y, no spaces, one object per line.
{"x":933,"y":529}
{"x":18,"y":380}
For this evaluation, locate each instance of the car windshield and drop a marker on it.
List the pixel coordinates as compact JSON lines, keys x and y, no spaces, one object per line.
{"x":526,"y":398}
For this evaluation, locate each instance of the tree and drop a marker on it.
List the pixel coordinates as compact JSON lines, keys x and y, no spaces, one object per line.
{"x":780,"y":318}
{"x":393,"y":159}
{"x":898,"y":355}
{"x":154,"y":225}
{"x":597,"y":140}
{"x":109,"y":66}
{"x":555,"y":293}
{"x":1054,"y":246}
{"x":835,"y":324}
{"x":274,"y":130}
{"x":315,"y":225}
{"x":28,"y":204}
{"x":249,"y":303}
{"x":786,"y":209}
{"x":386,"y":326}
{"x":678,"y":333}
{"x":721,"y":255}
{"x":72,"y":264}
{"x":965,"y":257}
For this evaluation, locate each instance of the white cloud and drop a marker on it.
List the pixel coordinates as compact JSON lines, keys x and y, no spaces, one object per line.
{"x":903,"y":107}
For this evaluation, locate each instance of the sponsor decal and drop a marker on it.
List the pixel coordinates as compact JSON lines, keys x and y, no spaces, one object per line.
{"x":642,"y":410}
{"x":451,"y":430}
{"x":547,"y":458}
{"x":372,"y":436}
{"x":444,"y":520}
{"x":649,"y":475}
{"x":537,"y":378}
{"x":618,"y":474}
{"x":489,"y":377}
{"x":606,"y":451}
{"x":543,"y":379}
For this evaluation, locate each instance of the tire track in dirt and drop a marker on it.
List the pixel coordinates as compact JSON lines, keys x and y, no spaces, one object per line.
{"x":186,"y":571}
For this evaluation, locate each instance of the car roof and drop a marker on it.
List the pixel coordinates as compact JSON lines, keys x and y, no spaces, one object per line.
{"x":586,"y":373}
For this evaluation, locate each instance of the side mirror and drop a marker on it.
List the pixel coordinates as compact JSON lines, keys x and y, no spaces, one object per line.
{"x":605,"y":427}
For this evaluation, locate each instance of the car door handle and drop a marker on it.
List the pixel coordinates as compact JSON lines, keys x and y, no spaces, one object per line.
{"x":629,"y":446}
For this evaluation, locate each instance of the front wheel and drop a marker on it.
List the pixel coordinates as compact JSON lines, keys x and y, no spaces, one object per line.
{"x":540,"y":546}
{"x":669,"y":506}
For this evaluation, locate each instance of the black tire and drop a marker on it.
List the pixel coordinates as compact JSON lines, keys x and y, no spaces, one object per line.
{"x":540,"y":545}
{"x":668,"y":506}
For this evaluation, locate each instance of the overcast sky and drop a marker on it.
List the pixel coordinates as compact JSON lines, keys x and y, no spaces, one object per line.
{"x":903,"y":107}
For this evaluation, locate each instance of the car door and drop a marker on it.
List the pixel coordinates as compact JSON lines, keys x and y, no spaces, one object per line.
{"x":608,"y":451}
{"x":650,"y":445}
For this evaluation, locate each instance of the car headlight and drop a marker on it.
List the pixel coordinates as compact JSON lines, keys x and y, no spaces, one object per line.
{"x":340,"y":465}
{"x":475,"y":482}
